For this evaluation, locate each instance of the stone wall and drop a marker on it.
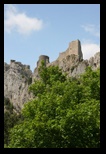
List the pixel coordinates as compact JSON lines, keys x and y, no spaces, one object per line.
{"x":14,"y":63}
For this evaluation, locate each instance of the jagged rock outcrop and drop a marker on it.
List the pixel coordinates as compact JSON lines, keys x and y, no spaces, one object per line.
{"x":94,"y":62}
{"x":16,"y":82}
{"x":17,"y":76}
{"x":74,"y":66}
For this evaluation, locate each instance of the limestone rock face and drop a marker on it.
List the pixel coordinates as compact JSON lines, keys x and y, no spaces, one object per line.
{"x":94,"y":62}
{"x":74,"y":66}
{"x":16,"y":78}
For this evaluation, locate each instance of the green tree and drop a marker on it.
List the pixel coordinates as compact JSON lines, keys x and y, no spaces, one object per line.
{"x":64,"y":113}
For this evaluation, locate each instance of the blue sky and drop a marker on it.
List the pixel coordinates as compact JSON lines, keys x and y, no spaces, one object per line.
{"x":31,"y":30}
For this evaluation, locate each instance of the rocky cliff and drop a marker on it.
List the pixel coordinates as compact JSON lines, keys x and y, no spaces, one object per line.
{"x":17,"y":76}
{"x":74,"y":66}
{"x":16,"y":80}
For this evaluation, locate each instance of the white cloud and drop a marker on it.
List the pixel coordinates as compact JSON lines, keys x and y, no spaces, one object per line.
{"x":92,"y":29}
{"x":20,"y":22}
{"x":89,"y":49}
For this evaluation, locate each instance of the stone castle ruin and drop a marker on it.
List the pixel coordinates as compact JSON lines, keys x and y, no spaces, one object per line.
{"x":18,"y":77}
{"x":44,"y":58}
{"x":74,"y":48}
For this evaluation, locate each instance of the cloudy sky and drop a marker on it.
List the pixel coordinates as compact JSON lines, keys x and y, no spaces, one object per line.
{"x":31,"y":30}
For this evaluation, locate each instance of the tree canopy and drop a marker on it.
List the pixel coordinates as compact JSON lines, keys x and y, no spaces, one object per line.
{"x":65,"y":112}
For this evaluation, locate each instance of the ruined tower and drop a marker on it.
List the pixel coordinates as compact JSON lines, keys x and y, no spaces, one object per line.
{"x":74,"y":48}
{"x":43,"y":58}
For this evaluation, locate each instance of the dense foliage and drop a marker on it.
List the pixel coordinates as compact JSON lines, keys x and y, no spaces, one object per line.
{"x":64,"y":114}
